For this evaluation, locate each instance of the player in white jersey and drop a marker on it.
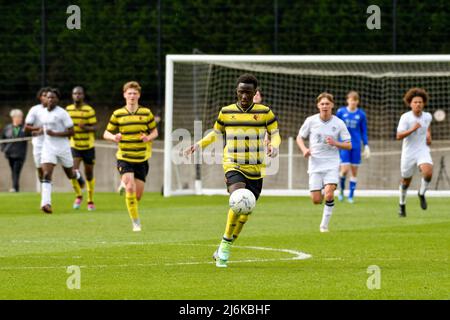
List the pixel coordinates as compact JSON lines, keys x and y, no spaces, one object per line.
{"x":414,"y":130}
{"x":34,"y":124}
{"x":58,"y":127}
{"x":324,"y":131}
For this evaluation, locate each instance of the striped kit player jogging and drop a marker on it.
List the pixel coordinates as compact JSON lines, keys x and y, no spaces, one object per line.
{"x":133,"y":128}
{"x":82,"y":143}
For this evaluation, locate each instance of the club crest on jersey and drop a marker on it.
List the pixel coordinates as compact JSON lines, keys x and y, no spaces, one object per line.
{"x":233,"y":117}
{"x":333,"y":129}
{"x":255,"y":117}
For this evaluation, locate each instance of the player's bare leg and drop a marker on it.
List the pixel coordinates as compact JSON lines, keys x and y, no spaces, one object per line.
{"x":345,"y":169}
{"x":131,"y":199}
{"x":404,"y":185}
{"x":427,"y":174}
{"x":90,"y":183}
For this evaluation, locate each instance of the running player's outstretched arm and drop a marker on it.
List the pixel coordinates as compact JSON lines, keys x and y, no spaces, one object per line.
{"x":211,"y":137}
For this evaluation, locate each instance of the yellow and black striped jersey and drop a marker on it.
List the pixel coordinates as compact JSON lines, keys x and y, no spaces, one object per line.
{"x":244,"y":132}
{"x":82,"y":139}
{"x":131,"y":126}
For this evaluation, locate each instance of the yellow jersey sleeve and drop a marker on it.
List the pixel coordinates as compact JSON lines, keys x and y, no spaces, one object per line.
{"x":272,"y":129}
{"x":219,"y":128}
{"x":113,"y":125}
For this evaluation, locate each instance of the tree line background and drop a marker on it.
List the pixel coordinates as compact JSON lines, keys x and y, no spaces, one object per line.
{"x":126,"y":40}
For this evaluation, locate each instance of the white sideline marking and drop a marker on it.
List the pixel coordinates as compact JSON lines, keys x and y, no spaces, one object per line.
{"x":297,"y":255}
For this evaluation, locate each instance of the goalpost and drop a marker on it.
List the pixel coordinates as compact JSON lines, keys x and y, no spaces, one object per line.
{"x":197,"y":86}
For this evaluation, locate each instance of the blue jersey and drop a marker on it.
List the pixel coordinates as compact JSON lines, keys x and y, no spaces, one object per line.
{"x":356,"y":123}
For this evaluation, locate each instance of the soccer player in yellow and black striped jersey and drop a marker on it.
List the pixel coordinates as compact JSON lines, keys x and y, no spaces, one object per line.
{"x":133,"y":128}
{"x":244,"y":125}
{"x":82,"y":143}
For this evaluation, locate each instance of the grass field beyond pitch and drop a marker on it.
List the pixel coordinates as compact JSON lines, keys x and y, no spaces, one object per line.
{"x":171,"y":257}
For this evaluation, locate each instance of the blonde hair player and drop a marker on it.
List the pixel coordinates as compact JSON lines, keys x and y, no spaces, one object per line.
{"x":414,"y":129}
{"x":327,"y":134}
{"x":133,"y":128}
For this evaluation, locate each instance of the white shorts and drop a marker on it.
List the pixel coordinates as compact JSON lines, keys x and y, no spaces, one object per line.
{"x":64,"y":157}
{"x":37,"y":159}
{"x":317,"y":180}
{"x":408,"y":165}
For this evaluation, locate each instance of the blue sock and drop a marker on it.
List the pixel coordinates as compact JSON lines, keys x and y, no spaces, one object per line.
{"x":342,"y":183}
{"x":353,"y":182}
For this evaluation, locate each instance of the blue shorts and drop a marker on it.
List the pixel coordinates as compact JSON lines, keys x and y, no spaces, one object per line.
{"x":351,"y":157}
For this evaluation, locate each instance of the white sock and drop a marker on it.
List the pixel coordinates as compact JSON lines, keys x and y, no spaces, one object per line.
{"x":423,"y":186}
{"x":403,"y":191}
{"x":46,"y":193}
{"x":327,"y":212}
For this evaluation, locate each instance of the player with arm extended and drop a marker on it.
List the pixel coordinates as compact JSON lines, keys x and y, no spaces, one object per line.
{"x":34,"y":125}
{"x":133,"y":128}
{"x":58,"y":127}
{"x":244,"y":124}
{"x":414,"y":129}
{"x":82,"y":142}
{"x":356,"y":121}
{"x":327,"y":134}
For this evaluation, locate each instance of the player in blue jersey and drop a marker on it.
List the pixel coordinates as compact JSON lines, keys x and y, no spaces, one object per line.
{"x":356,"y":121}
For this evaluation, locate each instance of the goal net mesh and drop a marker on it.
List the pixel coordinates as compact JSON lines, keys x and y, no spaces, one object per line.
{"x":200,"y":89}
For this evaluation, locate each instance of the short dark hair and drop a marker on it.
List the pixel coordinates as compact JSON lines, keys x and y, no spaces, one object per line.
{"x":78,"y":87}
{"x":249,"y":79}
{"x":41,"y":91}
{"x":55,"y":91}
{"x":415,"y":92}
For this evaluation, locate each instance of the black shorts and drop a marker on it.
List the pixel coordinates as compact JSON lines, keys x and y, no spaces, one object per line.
{"x":140,"y":169}
{"x":255,"y":186}
{"x":88,"y":156}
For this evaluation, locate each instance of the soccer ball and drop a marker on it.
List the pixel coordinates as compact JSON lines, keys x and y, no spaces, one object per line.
{"x":242,"y":201}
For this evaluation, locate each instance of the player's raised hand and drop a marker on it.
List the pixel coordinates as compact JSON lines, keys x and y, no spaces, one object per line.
{"x":117,"y":137}
{"x":190,"y":150}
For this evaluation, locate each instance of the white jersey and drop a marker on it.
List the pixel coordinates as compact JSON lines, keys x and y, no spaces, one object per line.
{"x":324,"y":157}
{"x":35,"y":117}
{"x":57,"y":120}
{"x":416,"y":142}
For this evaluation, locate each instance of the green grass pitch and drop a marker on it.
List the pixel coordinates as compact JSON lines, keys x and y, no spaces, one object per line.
{"x":171,"y":257}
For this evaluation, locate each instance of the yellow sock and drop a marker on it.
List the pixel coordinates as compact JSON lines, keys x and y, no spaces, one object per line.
{"x":90,"y":185}
{"x":231,"y":224}
{"x":132,"y":206}
{"x":76,"y":187}
{"x":243,"y":218}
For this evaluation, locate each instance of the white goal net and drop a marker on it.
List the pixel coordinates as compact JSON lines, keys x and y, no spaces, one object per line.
{"x":197,"y":86}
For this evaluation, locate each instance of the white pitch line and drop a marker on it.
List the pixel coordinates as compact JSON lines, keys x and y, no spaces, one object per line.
{"x":297,"y":255}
